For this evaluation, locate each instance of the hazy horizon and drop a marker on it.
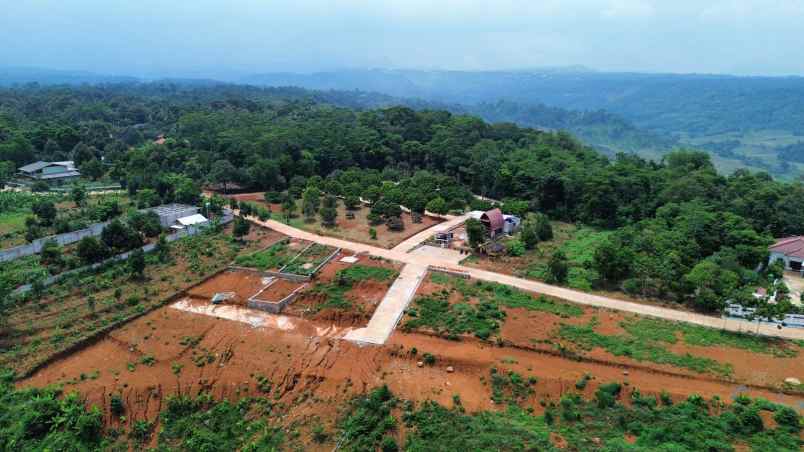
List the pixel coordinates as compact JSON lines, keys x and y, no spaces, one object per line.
{"x":209,"y":39}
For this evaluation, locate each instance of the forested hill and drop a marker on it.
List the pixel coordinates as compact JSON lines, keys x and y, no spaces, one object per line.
{"x":607,"y":132}
{"x":744,"y":122}
{"x":670,"y":103}
{"x":679,"y":230}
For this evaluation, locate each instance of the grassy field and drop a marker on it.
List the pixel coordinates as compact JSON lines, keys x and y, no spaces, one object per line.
{"x":345,"y":280}
{"x":474,"y":307}
{"x":12,"y":228}
{"x":272,"y":258}
{"x":637,"y":348}
{"x":650,"y":340}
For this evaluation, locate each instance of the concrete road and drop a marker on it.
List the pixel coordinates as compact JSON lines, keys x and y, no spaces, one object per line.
{"x":571,"y":295}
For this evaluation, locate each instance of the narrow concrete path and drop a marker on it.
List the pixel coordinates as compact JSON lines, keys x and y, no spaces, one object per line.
{"x":414,"y":240}
{"x":570,"y":295}
{"x":391,"y":308}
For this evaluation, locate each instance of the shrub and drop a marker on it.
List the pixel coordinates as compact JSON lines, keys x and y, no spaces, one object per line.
{"x":116,"y":405}
{"x":515,"y":248}
{"x":146,"y":223}
{"x":90,"y":250}
{"x":429,"y":359}
{"x":389,"y":444}
{"x":395,"y":224}
{"x":788,"y":418}
{"x":141,"y":431}
{"x":607,"y":394}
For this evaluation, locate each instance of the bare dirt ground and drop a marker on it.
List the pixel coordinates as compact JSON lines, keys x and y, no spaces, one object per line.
{"x":356,"y":229}
{"x":278,"y":289}
{"x":243,"y":284}
{"x":311,"y":376}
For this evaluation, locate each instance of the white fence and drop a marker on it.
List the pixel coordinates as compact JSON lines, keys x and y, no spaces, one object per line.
{"x":35,"y":247}
{"x":189,"y":230}
{"x":168,"y":214}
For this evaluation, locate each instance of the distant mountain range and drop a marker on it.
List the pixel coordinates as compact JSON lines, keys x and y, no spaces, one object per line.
{"x":754,"y":122}
{"x":21,"y":75}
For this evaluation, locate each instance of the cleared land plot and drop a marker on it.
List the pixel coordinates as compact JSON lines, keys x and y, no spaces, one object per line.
{"x":239,"y":283}
{"x":356,"y":229}
{"x":460,"y":309}
{"x":81,"y":306}
{"x":302,"y":372}
{"x":277,"y":289}
{"x":274,"y":257}
{"x":346,"y":293}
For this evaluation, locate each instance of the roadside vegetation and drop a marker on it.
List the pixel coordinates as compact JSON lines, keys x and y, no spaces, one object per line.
{"x":639,"y":349}
{"x":671,"y":332}
{"x":47,"y":419}
{"x":605,"y":423}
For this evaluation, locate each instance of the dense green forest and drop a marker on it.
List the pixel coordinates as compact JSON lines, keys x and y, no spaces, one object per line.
{"x":681,"y":230}
{"x":652,"y":111}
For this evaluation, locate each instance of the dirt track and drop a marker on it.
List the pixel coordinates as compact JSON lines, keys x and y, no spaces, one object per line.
{"x":534,"y":286}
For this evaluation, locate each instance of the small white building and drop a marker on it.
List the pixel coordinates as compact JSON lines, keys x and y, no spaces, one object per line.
{"x":511,"y":223}
{"x":192,"y":220}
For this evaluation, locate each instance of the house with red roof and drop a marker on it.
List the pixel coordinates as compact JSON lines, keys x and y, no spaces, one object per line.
{"x":496,"y":222}
{"x":790,"y":250}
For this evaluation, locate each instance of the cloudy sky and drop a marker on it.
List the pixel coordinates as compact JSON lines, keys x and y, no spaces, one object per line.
{"x":232,"y":37}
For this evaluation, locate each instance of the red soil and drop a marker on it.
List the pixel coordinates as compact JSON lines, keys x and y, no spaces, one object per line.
{"x":243,"y":283}
{"x":364,"y":296}
{"x":278,"y":290}
{"x":313,"y":375}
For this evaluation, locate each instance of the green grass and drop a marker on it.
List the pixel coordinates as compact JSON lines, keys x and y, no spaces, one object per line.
{"x":311,"y":258}
{"x":436,"y":313}
{"x":506,"y":296}
{"x":273,"y":257}
{"x":580,"y":251}
{"x":204,"y":424}
{"x":21,"y":271}
{"x":479,"y":312}
{"x":369,"y":421}
{"x":12,"y":228}
{"x":344,"y":281}
{"x":510,"y":388}
{"x":640,"y":348}
{"x":665,"y":331}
